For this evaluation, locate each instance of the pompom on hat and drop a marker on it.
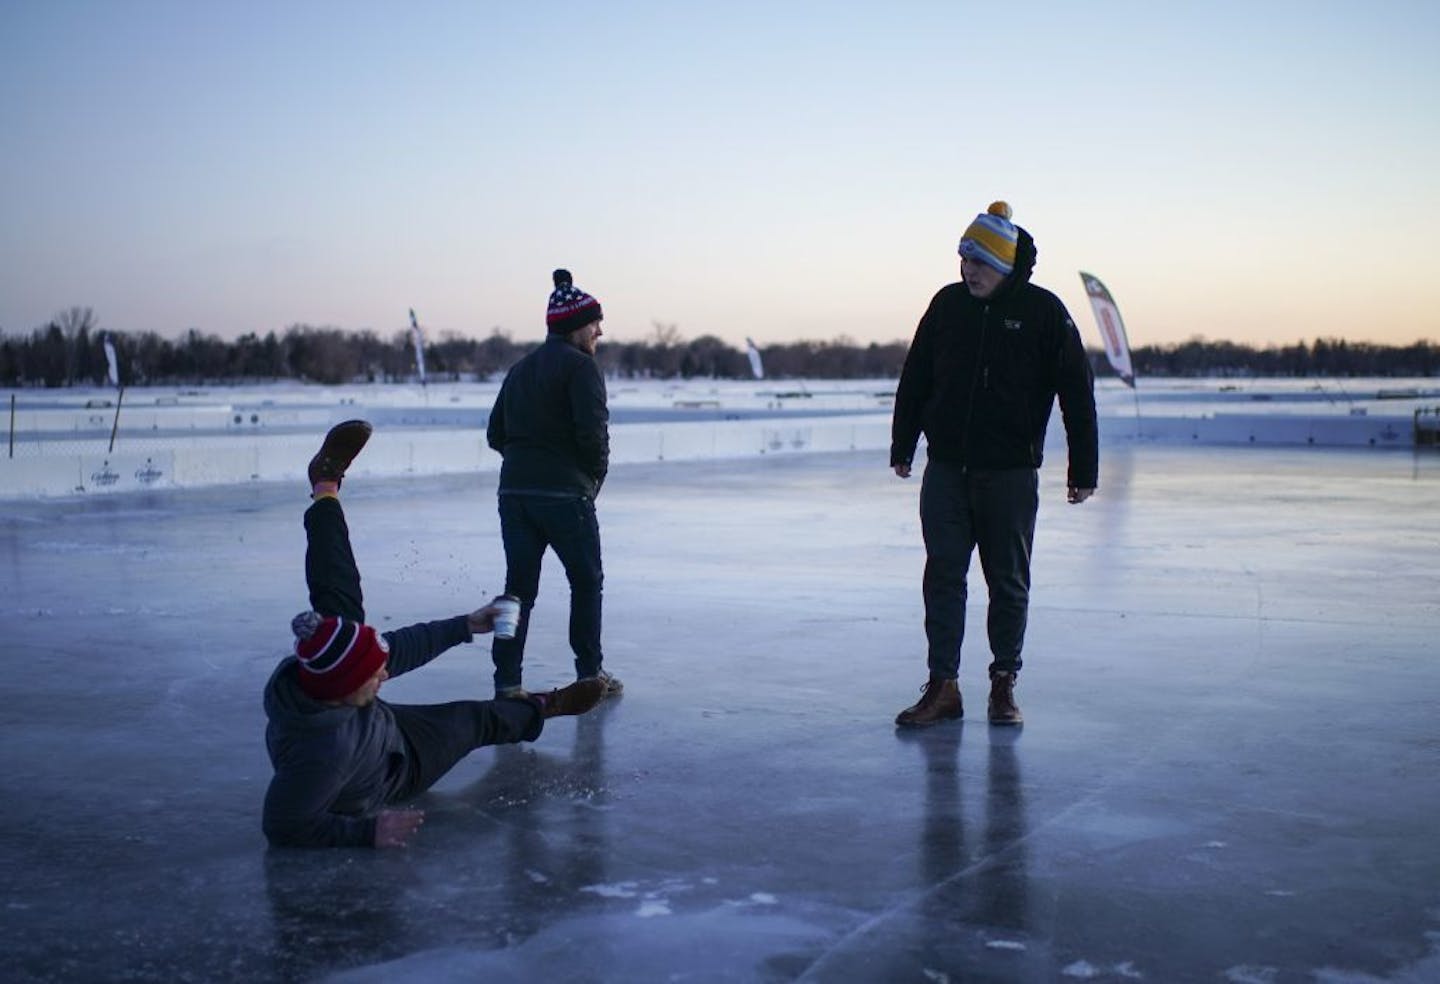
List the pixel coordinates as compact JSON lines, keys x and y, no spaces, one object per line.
{"x":336,"y":655}
{"x":570,"y":307}
{"x":991,"y":239}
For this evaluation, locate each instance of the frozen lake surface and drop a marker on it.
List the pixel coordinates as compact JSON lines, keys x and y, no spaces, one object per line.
{"x":1227,"y":770}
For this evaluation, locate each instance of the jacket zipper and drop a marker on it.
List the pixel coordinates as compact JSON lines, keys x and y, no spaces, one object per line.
{"x":981,"y":374}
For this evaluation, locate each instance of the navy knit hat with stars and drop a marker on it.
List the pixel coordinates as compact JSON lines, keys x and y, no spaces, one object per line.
{"x":570,"y":307}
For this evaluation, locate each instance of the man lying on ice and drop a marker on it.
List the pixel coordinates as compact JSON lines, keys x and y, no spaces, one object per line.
{"x":342,"y":756}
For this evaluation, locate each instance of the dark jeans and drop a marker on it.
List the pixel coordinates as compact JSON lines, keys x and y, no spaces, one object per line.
{"x":439,"y":735}
{"x":961,"y":509}
{"x":330,"y":570}
{"x":529,"y":524}
{"x":436,"y":735}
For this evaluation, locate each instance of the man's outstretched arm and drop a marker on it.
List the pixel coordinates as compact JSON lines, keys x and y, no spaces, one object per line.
{"x":415,"y":645}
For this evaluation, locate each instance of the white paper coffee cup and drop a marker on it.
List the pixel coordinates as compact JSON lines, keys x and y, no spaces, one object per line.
{"x":507,"y":618}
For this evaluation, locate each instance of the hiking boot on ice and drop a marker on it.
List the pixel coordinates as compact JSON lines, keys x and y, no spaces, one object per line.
{"x":939,"y":701}
{"x":577,"y":698}
{"x":341,"y":446}
{"x":1002,"y":699}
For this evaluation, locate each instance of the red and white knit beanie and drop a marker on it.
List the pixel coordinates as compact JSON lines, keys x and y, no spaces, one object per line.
{"x":337,"y":655}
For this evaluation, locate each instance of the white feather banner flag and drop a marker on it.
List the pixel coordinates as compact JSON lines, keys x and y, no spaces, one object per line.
{"x":112,"y":361}
{"x":756,"y":366}
{"x":1112,"y":329}
{"x":417,"y":338}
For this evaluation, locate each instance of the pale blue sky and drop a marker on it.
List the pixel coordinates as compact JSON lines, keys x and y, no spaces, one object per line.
{"x":1260,"y":172}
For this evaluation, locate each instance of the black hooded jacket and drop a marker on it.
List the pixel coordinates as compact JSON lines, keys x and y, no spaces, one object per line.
{"x":551,"y":424}
{"x":981,"y":377}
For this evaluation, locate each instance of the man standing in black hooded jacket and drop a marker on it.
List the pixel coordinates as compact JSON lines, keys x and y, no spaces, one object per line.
{"x":988,"y":360}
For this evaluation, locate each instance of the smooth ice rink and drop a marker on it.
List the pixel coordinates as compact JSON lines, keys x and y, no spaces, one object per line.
{"x":1227,"y":772}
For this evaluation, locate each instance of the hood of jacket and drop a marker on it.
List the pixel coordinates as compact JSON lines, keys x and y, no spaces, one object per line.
{"x":1025,"y":255}
{"x":290,"y":707}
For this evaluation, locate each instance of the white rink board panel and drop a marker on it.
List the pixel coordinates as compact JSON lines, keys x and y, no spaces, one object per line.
{"x":85,"y":466}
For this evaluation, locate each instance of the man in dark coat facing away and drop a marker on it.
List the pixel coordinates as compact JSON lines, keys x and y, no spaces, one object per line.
{"x":551,"y":425}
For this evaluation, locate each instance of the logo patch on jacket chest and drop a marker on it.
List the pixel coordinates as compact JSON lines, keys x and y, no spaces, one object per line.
{"x":1013,"y":324}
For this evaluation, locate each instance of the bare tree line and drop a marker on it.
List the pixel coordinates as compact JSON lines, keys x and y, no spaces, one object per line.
{"x":1325,"y":357}
{"x":68,"y":351}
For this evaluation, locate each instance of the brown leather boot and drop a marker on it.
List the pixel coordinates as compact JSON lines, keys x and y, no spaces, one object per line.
{"x":577,"y":698}
{"x":1002,"y":699}
{"x":341,"y":446}
{"x":939,"y":701}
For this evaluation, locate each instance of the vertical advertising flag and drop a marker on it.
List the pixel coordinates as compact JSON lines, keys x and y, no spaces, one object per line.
{"x":757,"y":368}
{"x":1112,"y":329}
{"x":112,"y":361}
{"x":417,"y":338}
